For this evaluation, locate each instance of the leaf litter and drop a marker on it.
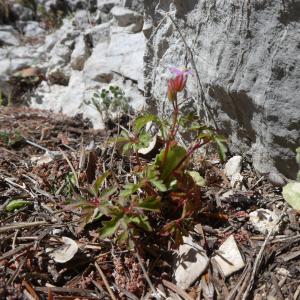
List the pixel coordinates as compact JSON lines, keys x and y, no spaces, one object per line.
{"x":47,"y":253}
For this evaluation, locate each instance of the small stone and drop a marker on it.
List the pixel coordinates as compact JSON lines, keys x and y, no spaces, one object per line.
{"x":230,"y":259}
{"x":191,"y":262}
{"x":276,"y":179}
{"x":264,"y":220}
{"x":233,"y":166}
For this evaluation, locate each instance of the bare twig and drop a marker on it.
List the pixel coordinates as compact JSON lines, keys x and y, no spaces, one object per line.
{"x":15,"y":251}
{"x":258,"y":260}
{"x":21,"y":225}
{"x":147,"y":276}
{"x":105,"y":282}
{"x":71,"y":167}
{"x":10,"y":182}
{"x":277,"y":287}
{"x":16,"y":273}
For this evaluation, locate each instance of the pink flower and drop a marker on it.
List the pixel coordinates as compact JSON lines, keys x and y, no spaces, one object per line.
{"x":178,"y":83}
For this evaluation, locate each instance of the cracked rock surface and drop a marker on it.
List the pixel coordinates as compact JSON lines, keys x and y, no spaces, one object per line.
{"x":247,"y":58}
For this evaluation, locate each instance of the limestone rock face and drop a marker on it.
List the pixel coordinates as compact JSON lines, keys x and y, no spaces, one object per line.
{"x":9,"y":36}
{"x":246,"y":62}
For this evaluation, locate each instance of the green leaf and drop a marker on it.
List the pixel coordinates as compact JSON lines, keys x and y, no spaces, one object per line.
{"x":110,"y":227}
{"x":141,"y":121}
{"x":17,"y":204}
{"x":99,"y":181}
{"x":198,"y":179}
{"x":291,"y":194}
{"x":151,"y":203}
{"x":159,"y":184}
{"x":222,"y":148}
{"x":175,"y":155}
{"x":130,"y":189}
{"x":141,"y":221}
{"x":108,"y":193}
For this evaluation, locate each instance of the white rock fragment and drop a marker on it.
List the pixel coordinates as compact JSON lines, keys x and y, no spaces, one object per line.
{"x":191,"y":262}
{"x":233,"y":166}
{"x":264,"y":220}
{"x":229,"y":258}
{"x":46,"y":158}
{"x":233,"y":171}
{"x":65,"y":252}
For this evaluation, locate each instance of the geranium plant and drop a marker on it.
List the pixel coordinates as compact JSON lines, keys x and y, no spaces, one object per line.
{"x":162,"y":187}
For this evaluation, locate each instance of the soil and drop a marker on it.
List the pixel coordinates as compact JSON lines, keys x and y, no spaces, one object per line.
{"x":101,"y":269}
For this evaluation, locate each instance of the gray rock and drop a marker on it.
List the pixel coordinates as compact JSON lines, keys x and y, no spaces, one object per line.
{"x":59,"y":75}
{"x":32,"y":29}
{"x":80,"y":53}
{"x":247,"y":58}
{"x":191,"y":262}
{"x":276,"y":179}
{"x":127,"y":17}
{"x":81,"y":19}
{"x":60,"y":54}
{"x":106,"y":5}
{"x":122,"y":54}
{"x":9,"y":36}
{"x":136,"y":5}
{"x":22,"y":12}
{"x":125,"y":55}
{"x":99,"y":33}
{"x":77,"y":4}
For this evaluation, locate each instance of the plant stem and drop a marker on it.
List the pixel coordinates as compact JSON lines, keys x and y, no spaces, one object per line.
{"x":173,"y":129}
{"x":189,"y":154}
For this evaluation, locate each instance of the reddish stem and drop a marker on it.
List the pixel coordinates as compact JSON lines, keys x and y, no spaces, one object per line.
{"x":189,"y":153}
{"x":173,"y":130}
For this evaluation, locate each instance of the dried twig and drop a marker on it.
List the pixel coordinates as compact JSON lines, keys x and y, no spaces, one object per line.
{"x":147,"y":276}
{"x":15,"y":251}
{"x":10,"y":182}
{"x":105,"y":282}
{"x":21,"y":225}
{"x":258,"y":260}
{"x":277,"y":287}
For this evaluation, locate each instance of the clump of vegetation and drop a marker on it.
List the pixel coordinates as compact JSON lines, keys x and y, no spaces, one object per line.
{"x":11,"y":139}
{"x":162,"y":188}
{"x":110,"y":103}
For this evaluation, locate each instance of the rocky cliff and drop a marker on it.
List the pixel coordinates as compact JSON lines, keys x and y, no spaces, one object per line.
{"x":56,"y":54}
{"x":245,"y":56}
